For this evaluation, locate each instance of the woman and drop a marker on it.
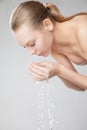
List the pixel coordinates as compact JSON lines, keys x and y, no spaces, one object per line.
{"x":44,"y":31}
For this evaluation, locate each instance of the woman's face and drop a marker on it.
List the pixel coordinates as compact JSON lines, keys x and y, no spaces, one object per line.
{"x":38,"y":42}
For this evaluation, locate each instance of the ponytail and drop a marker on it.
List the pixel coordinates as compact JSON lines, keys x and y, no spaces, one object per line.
{"x":56,"y":14}
{"x":34,"y":12}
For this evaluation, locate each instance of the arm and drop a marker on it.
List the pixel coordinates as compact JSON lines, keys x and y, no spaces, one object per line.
{"x":73,"y":77}
{"x":63,"y":69}
{"x":65,"y":75}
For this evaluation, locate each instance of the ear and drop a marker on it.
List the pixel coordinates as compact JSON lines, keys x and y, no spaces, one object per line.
{"x":47,"y":23}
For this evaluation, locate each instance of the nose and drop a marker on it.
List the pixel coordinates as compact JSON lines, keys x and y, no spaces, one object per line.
{"x":38,"y":53}
{"x":33,"y":52}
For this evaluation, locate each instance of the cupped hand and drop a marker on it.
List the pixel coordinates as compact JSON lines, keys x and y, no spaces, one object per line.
{"x":44,"y":70}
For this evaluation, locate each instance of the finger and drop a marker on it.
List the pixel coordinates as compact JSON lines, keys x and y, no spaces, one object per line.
{"x":43,"y":63}
{"x":38,"y":70}
{"x":37,"y":77}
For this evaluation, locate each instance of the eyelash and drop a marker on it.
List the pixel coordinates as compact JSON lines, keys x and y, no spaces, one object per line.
{"x":32,"y":45}
{"x":29,"y":45}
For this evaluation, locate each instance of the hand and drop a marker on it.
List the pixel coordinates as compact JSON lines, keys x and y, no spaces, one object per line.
{"x":43,"y":70}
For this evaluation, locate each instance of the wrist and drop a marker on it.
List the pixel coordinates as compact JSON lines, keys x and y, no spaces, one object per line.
{"x":59,"y":70}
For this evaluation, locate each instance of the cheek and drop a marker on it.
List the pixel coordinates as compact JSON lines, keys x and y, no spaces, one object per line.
{"x":46,"y":43}
{"x":44,"y":46}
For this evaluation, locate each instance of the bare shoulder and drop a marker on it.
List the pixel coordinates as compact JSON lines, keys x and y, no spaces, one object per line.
{"x":81,"y":21}
{"x":82,"y":32}
{"x":81,"y":26}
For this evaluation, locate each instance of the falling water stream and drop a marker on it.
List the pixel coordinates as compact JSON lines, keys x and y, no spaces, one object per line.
{"x":46,"y":104}
{"x":45,"y":100}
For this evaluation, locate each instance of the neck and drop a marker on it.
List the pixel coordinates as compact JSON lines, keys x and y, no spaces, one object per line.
{"x":63,"y":32}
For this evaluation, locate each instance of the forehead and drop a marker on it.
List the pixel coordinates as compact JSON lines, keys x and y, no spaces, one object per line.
{"x":24,"y":34}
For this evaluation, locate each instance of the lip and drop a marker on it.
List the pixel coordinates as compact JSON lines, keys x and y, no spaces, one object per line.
{"x":43,"y":54}
{"x":39,"y":54}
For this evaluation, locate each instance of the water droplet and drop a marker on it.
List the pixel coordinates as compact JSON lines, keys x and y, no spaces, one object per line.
{"x":44,"y":100}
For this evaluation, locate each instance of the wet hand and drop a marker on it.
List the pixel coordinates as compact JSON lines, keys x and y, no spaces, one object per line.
{"x":43,"y":70}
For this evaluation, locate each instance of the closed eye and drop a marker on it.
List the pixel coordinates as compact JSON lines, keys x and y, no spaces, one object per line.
{"x":28,"y":44}
{"x":32,"y":45}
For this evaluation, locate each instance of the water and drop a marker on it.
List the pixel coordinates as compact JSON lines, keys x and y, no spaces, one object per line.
{"x":46,"y":105}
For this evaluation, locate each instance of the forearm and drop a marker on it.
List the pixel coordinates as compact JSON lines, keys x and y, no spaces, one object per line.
{"x":71,"y":85}
{"x":73,"y":77}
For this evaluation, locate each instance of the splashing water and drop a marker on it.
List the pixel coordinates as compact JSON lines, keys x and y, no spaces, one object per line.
{"x":45,"y":113}
{"x":45,"y":100}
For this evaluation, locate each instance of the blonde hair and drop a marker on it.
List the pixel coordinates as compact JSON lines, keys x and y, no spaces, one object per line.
{"x":35,"y":12}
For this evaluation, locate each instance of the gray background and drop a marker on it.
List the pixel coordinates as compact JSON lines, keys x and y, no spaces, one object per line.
{"x":19,"y":93}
